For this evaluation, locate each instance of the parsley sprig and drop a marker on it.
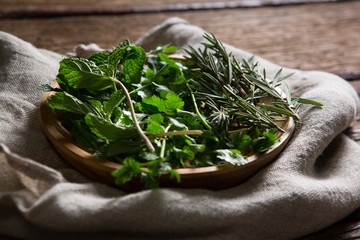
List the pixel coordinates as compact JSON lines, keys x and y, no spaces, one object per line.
{"x":153,"y":113}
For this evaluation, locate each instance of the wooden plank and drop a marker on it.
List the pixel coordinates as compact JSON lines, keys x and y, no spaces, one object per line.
{"x":309,"y":37}
{"x":43,"y":8}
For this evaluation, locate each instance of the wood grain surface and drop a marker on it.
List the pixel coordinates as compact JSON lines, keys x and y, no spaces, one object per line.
{"x":316,"y":36}
{"x":310,"y":36}
{"x":36,"y":8}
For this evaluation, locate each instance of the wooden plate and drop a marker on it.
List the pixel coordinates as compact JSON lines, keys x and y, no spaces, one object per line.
{"x":214,"y":177}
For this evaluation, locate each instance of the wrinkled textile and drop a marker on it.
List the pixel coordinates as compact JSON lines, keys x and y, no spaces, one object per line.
{"x":313,"y":183}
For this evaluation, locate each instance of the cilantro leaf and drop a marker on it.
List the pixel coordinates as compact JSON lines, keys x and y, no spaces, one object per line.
{"x":265,"y":141}
{"x":154,"y":127}
{"x":232,"y":156}
{"x":153,"y":104}
{"x":130,"y":169}
{"x":172,"y":103}
{"x":242,"y":142}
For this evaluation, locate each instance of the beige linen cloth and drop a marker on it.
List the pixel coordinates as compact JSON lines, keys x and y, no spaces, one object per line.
{"x":313,"y":183}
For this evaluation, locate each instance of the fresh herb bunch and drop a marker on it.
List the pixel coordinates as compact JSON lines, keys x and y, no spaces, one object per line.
{"x":153,"y":113}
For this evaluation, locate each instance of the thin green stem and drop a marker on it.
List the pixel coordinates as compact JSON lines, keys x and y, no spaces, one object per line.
{"x":197,"y":110}
{"x":132,"y":111}
{"x":135,"y":91}
{"x":176,"y":133}
{"x":163,"y":145}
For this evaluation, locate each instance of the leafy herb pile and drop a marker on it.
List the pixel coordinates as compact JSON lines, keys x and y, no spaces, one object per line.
{"x":153,"y":113}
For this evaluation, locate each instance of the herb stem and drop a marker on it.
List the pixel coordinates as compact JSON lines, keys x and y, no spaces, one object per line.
{"x":197,"y":110}
{"x":132,"y":111}
{"x":135,"y":91}
{"x":175,"y":133}
{"x":163,"y":144}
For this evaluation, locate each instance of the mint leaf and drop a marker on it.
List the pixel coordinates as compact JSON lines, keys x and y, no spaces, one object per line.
{"x":82,"y":73}
{"x":107,"y":69}
{"x":100,"y":57}
{"x":107,"y":130}
{"x":113,"y":101}
{"x":97,"y":107}
{"x":80,"y":132}
{"x":117,"y":54}
{"x":133,"y":64}
{"x":66,"y":102}
{"x":119,"y":147}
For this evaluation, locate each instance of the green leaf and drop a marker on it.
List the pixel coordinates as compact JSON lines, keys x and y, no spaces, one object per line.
{"x":82,"y":135}
{"x":231,"y":156}
{"x":156,"y":102}
{"x":154,"y":124}
{"x":167,"y":49}
{"x":148,"y":156}
{"x":100,"y":57}
{"x":97,"y":107}
{"x":176,"y":125}
{"x":197,"y":148}
{"x":130,"y":169}
{"x":133,"y":64}
{"x":66,"y":102}
{"x":82,"y":73}
{"x":107,"y":130}
{"x":307,"y":101}
{"x":117,"y":55}
{"x":158,"y":118}
{"x":107,"y":70}
{"x":265,"y":141}
{"x":169,"y":105}
{"x":149,"y":73}
{"x":119,"y":147}
{"x":242,"y":142}
{"x":154,"y":127}
{"x":185,"y":153}
{"x":173,"y":174}
{"x":172,"y":103}
{"x":113,"y":102}
{"x":190,"y":119}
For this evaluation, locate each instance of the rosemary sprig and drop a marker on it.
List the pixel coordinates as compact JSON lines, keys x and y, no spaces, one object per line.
{"x":235,"y":91}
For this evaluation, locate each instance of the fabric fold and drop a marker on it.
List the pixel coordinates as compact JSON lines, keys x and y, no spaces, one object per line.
{"x":313,"y":183}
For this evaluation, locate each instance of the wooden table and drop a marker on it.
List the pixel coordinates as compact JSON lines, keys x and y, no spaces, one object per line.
{"x":305,"y":34}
